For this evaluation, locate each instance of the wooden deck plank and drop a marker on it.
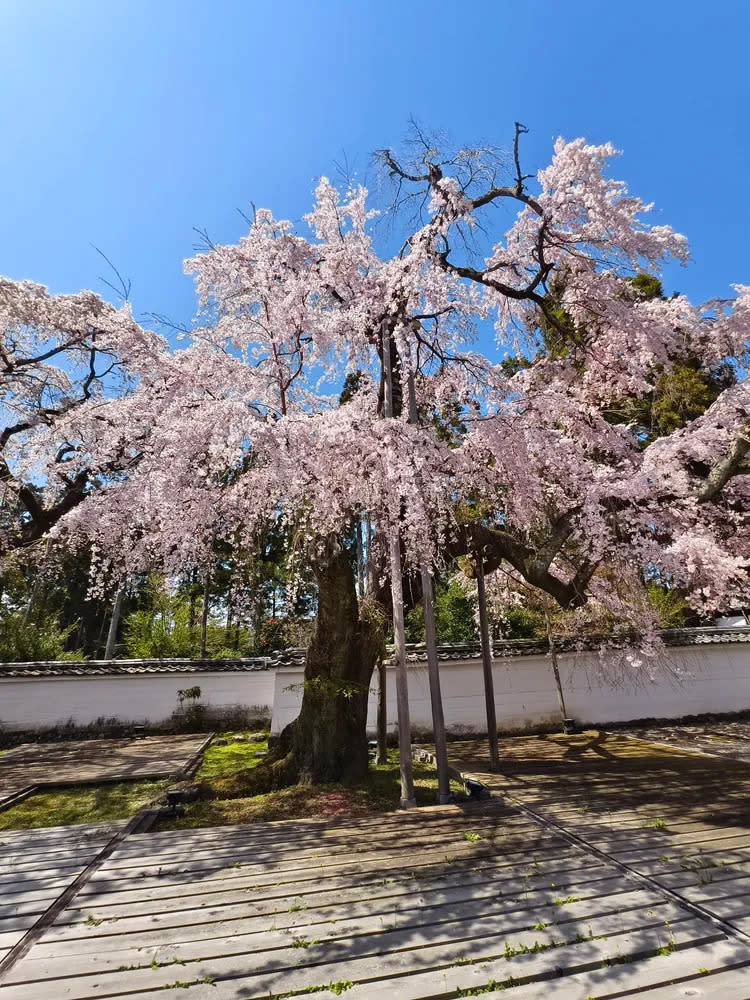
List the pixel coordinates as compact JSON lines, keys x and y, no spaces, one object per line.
{"x":309,"y":835}
{"x":647,"y":978}
{"x":487,"y":934}
{"x":210,"y":890}
{"x":405,"y":906}
{"x":479,"y":881}
{"x":90,"y":761}
{"x":350,"y":919}
{"x":438,"y":981}
{"x":593,"y":889}
{"x":282,"y":973}
{"x":280,"y":848}
{"x":420,"y":862}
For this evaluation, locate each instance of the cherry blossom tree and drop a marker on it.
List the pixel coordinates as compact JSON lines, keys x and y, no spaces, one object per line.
{"x":243,"y":426}
{"x":63,"y":359}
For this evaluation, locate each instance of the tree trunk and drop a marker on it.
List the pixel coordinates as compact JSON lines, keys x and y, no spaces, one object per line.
{"x":327,"y":742}
{"x":382,"y":754}
{"x":230,"y":621}
{"x":109,"y":652}
{"x":204,"y":612}
{"x":193,"y":598}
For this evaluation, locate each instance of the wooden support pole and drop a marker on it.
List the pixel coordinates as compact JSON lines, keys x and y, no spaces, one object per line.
{"x":408,"y":801}
{"x":436,"y":699}
{"x":433,"y":671}
{"x":489,"y":684}
{"x":553,"y":657}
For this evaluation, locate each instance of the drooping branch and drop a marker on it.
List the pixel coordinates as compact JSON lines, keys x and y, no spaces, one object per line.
{"x":732,"y":465}
{"x":532,"y":561}
{"x":40,"y":518}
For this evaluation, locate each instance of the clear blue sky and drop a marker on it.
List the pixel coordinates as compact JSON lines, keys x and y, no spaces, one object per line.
{"x":125,"y":123}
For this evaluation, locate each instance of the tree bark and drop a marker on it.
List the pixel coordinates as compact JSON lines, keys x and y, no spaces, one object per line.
{"x":204,"y":612}
{"x":327,"y":742}
{"x":109,"y":652}
{"x":382,"y":754}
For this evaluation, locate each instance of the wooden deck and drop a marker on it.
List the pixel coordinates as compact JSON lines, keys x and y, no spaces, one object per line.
{"x":93,"y":761}
{"x":724,"y":739}
{"x":603,"y":868}
{"x":403,"y":906}
{"x":37,"y":866}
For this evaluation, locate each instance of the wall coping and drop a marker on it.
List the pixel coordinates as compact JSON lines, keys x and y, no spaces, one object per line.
{"x":506,"y":648}
{"x":415,"y":653}
{"x":116,"y":668}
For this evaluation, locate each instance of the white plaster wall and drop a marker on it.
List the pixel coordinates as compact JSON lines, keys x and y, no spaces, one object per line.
{"x":716,"y":678}
{"x":40,"y":702}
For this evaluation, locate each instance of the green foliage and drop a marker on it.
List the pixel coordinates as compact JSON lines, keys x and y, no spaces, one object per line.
{"x":165,"y":626}
{"x":274,"y":633}
{"x":522,"y":623}
{"x":449,"y":423}
{"x":352,"y":385}
{"x":454,"y":616}
{"x":679,"y":395}
{"x":646,"y":286}
{"x":414,"y":624}
{"x":157,"y":635}
{"x":492,"y":986}
{"x":221,"y":761}
{"x":670,"y":606}
{"x":229,"y":771}
{"x":38,"y":638}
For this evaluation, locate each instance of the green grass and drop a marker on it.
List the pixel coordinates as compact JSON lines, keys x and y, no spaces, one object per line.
{"x":381,"y":792}
{"x":219,"y":762}
{"x":81,"y":804}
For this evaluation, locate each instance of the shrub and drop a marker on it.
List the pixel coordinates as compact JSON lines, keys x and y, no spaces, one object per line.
{"x":38,"y":638}
{"x":455,"y":616}
{"x":274,"y":633}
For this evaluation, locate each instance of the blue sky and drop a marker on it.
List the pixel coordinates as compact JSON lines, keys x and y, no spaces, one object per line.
{"x":125,"y":123}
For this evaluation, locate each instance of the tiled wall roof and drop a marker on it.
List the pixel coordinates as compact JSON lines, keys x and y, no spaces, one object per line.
{"x":296,"y":657}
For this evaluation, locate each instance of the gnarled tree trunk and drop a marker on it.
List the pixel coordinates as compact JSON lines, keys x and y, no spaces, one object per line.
{"x":327,"y":742}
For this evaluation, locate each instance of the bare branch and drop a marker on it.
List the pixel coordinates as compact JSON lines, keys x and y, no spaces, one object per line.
{"x":125,"y":286}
